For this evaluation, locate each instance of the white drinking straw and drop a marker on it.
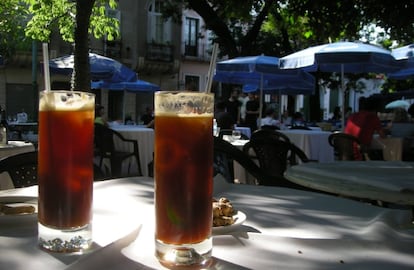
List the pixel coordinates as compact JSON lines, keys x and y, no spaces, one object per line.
{"x":46,"y":66}
{"x":212,"y":67}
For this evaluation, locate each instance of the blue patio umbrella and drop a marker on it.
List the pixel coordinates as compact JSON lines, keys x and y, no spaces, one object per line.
{"x":293,"y":89}
{"x":405,"y":56}
{"x":343,"y":57}
{"x":102,"y":68}
{"x":263,"y":71}
{"x":134,"y":87}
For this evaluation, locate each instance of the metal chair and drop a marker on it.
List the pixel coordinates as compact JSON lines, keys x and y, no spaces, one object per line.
{"x":266,"y":133}
{"x":105,"y":149}
{"x":346,"y":146}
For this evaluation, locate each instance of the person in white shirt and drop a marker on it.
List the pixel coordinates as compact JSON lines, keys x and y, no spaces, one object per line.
{"x":243,"y":98}
{"x":269,"y":119}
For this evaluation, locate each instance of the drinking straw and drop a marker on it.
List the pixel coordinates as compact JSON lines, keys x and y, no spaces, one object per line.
{"x":211,"y":68}
{"x":46,"y":66}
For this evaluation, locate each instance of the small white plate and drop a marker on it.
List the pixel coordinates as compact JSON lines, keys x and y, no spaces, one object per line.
{"x":239,"y":218}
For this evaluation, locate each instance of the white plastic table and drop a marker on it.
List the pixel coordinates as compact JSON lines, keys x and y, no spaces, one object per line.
{"x":284,"y":229}
{"x":388,"y":181}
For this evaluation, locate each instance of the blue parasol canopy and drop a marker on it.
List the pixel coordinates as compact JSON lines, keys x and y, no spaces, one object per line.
{"x":257,"y":69}
{"x":135,"y":86}
{"x":343,"y":57}
{"x":349,"y":57}
{"x":263,"y":72}
{"x":405,"y":56}
{"x":102,"y":68}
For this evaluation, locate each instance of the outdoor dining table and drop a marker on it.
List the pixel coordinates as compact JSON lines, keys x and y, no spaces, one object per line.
{"x":244,"y":130}
{"x":145,"y":138}
{"x":15,"y":147}
{"x":284,"y":229}
{"x":314,"y":143}
{"x":386,"y":181}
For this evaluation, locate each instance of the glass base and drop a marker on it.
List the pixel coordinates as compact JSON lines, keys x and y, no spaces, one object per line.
{"x":198,"y":254}
{"x":65,"y":241}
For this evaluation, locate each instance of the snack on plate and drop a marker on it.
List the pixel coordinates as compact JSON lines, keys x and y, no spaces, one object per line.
{"x":16,"y":210}
{"x":223,"y":212}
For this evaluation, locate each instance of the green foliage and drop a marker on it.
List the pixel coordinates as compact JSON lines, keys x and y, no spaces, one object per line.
{"x":13,"y":16}
{"x":102,"y":25}
{"x":51,"y":15}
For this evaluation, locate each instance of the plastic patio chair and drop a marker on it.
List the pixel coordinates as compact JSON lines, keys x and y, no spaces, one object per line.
{"x":274,"y":153}
{"x":346,"y":146}
{"x":105,"y":149}
{"x":22,"y":168}
{"x":225,"y":154}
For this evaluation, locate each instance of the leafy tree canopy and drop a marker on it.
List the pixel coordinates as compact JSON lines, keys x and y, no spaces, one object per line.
{"x":49,"y":15}
{"x":75,"y":20}
{"x":281,"y":27}
{"x":12,"y":37}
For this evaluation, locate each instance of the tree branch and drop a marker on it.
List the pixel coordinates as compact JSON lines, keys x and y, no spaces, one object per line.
{"x":248,"y":41}
{"x":214,"y":23}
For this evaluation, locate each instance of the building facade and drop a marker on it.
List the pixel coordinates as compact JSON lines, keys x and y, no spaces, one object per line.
{"x":174,"y":56}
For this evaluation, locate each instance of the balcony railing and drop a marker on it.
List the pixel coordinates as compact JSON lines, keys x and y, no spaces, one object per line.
{"x":202,"y":52}
{"x":160,"y":52}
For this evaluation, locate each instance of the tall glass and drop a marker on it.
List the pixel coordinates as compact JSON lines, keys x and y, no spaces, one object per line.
{"x":183,"y":177}
{"x":65,"y":170}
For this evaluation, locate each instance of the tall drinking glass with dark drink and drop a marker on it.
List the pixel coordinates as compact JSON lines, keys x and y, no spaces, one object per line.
{"x":65,"y":170}
{"x":183,"y":177}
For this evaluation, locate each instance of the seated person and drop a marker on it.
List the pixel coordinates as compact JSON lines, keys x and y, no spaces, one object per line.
{"x":400,"y":126}
{"x":337,"y":115}
{"x":364,"y":124}
{"x":402,"y":130}
{"x":224,"y":119}
{"x":100,"y":115}
{"x":128,"y":120}
{"x":298,"y":119}
{"x":286,"y":118}
{"x":148,"y":116}
{"x":151,"y":124}
{"x":269,"y":119}
{"x":22,"y":117}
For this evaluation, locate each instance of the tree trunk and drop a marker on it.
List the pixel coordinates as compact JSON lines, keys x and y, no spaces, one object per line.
{"x":227,"y":42}
{"x":82,"y":74}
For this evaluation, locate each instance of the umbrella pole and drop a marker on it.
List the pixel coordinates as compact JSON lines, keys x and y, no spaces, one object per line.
{"x":123,"y":107}
{"x":280,"y":107}
{"x":260,"y":101}
{"x":343,"y":98}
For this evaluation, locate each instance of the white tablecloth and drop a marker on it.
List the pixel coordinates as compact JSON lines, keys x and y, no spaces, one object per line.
{"x":145,"y":138}
{"x":313,"y":142}
{"x":240,"y":173}
{"x":285,"y":229}
{"x":12,"y":148}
